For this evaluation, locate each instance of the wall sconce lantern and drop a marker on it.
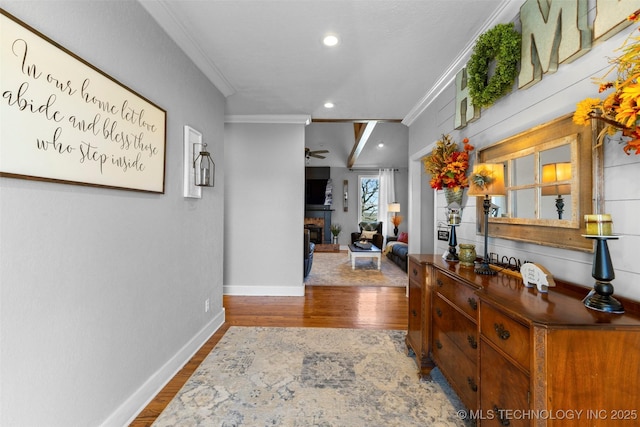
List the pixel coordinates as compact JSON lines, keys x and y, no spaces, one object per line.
{"x":203,"y":168}
{"x":345,"y":192}
{"x":199,"y":169}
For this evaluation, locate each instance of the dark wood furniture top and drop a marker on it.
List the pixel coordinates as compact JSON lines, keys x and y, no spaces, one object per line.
{"x":561,"y":306}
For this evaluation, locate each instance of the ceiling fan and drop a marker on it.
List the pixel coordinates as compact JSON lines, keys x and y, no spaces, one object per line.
{"x":317,"y":153}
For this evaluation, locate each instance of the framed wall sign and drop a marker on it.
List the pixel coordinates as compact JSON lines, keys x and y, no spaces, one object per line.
{"x":64,"y":120}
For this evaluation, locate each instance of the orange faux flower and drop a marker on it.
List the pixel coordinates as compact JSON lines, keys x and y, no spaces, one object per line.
{"x":396,"y":220}
{"x":448,"y":166}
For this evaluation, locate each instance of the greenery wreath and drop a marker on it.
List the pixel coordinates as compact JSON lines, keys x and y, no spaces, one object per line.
{"x":501,"y":43}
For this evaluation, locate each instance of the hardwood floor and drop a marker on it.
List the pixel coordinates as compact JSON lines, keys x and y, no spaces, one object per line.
{"x":321,"y":307}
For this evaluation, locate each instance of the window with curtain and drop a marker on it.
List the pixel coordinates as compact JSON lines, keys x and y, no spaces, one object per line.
{"x":368,"y":198}
{"x":386,"y":195}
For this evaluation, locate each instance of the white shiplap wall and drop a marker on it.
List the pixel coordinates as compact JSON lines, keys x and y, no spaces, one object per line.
{"x":555,"y":95}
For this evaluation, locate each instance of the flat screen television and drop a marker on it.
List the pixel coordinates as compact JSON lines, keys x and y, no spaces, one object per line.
{"x":315,"y":190}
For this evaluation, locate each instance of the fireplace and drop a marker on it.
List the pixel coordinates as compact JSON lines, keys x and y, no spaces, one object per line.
{"x":315,"y":233}
{"x":316,"y":212}
{"x":318,"y":228}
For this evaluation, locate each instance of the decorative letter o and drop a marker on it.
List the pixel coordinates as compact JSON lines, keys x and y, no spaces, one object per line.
{"x":501,"y":43}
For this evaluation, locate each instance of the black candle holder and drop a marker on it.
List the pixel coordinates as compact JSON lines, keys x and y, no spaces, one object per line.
{"x":483,"y":267}
{"x":600,"y":298}
{"x":560,"y":206}
{"x":453,"y":241}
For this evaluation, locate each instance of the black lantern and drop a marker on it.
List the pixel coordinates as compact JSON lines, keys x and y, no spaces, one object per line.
{"x":203,"y":168}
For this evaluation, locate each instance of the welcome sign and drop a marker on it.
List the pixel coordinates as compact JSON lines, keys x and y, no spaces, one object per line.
{"x":61,"y":119}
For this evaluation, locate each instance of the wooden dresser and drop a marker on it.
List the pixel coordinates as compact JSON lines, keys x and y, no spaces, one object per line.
{"x":521,"y":358}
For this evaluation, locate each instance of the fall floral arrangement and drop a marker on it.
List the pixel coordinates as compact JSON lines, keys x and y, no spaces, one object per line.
{"x":620,"y":109}
{"x":447,"y":165}
{"x":396,"y":220}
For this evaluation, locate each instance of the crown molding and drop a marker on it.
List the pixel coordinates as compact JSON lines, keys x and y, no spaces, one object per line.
{"x":289,"y":119}
{"x":161,"y":12}
{"x":506,"y":12}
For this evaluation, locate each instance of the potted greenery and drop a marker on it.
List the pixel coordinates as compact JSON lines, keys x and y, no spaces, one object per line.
{"x":335,"y":231}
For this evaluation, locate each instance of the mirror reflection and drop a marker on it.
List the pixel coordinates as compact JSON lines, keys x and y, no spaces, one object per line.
{"x":540,"y":183}
{"x":553,"y":177}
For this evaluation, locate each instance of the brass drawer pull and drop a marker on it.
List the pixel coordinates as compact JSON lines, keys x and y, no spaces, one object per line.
{"x":499,"y":412}
{"x":473,"y":303}
{"x":438,"y":312}
{"x":503,"y":334}
{"x":439,"y":282}
{"x":438,"y":344}
{"x":414,"y":313}
{"x":472,"y":341}
{"x":472,"y":384}
{"x":415,"y":272}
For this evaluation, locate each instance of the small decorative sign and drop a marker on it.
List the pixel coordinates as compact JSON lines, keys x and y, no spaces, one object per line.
{"x":536,"y":275}
{"x":64,"y":120}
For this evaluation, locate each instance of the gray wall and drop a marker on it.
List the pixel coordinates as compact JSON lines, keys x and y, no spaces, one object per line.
{"x":264,"y":209}
{"x":554,"y":96}
{"x":102,"y":291}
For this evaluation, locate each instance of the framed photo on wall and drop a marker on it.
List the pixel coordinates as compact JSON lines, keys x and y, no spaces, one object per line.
{"x":64,"y":120}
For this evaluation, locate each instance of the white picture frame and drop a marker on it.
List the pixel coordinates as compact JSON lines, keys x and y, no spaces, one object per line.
{"x":191,"y":137}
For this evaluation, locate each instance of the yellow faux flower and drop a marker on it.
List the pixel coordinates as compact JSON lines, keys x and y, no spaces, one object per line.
{"x":620,"y":110}
{"x":627,"y":112}
{"x":582,"y":116}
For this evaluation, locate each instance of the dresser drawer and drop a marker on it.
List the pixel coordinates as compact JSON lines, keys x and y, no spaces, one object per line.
{"x":456,"y":367}
{"x":414,"y":327}
{"x":505,"y":390}
{"x":416,"y":272}
{"x":462,"y":331}
{"x":508,"y":335}
{"x":460,"y":294}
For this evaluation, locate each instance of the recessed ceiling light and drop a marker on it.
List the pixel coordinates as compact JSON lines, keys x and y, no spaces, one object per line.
{"x":330,"y":40}
{"x":328,"y":105}
{"x":380,"y":144}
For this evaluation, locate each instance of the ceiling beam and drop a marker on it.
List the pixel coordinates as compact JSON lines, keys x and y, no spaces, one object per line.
{"x":355,"y":120}
{"x":362,"y":133}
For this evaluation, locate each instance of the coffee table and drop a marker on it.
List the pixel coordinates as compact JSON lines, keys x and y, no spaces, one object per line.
{"x":357,"y":252}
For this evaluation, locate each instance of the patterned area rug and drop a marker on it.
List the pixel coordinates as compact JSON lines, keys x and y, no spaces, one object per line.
{"x":334,"y":269}
{"x":311,"y":377}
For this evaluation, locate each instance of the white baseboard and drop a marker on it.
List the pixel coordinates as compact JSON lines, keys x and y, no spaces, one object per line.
{"x":270,"y":291}
{"x":127,"y":412}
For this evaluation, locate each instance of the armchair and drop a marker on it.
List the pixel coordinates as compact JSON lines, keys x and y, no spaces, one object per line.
{"x":371,"y":232}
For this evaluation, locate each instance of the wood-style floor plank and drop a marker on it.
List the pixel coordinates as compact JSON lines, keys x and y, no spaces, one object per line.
{"x":321,"y":307}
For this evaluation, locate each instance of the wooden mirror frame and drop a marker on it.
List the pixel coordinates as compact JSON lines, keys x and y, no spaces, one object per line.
{"x":590,"y":189}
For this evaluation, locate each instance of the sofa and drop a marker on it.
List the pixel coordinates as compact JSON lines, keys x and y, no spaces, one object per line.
{"x":370,"y":232}
{"x":309,"y":247}
{"x":397,"y":250}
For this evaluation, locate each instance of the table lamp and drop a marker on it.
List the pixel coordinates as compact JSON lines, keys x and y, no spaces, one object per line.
{"x":486,"y":180}
{"x":395,"y":208}
{"x":556,"y":172}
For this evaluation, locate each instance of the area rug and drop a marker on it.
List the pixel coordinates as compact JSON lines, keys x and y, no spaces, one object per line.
{"x":334,"y":269}
{"x":260,"y":376}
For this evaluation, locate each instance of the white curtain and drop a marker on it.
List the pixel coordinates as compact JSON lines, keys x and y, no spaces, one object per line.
{"x":386,"y":195}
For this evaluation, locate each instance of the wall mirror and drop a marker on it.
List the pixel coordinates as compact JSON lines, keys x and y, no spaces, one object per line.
{"x":553,"y":177}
